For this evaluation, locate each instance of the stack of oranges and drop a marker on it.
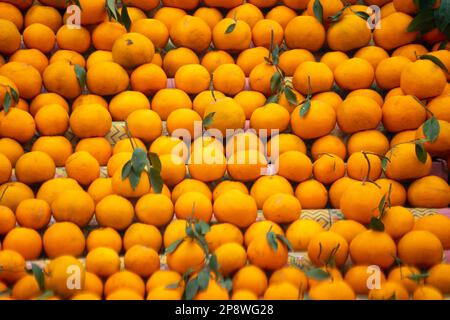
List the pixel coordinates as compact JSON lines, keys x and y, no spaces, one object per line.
{"x":238,"y":115}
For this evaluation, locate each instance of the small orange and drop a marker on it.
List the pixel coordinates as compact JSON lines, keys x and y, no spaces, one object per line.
{"x":312,"y":194}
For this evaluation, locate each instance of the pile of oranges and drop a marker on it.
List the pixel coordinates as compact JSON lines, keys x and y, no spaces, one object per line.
{"x":319,"y":104}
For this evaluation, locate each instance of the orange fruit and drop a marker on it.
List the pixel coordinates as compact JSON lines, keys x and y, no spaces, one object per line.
{"x":93,"y":284}
{"x":437,"y":106}
{"x":74,"y":206}
{"x":312,"y":194}
{"x":39,"y":36}
{"x":99,"y":148}
{"x":411,"y":84}
{"x":188,"y":255}
{"x":261,"y":228}
{"x":348,"y":33}
{"x":294,"y":165}
{"x":14,"y":193}
{"x":357,"y":277}
{"x":35,"y":167}
{"x":176,"y":58}
{"x":6,"y":168}
{"x":139,"y":79}
{"x":373,"y":248}
{"x":394,"y":33}
{"x":167,"y":100}
{"x":403,"y":113}
{"x":222,"y":233}
{"x":291,"y":59}
{"x":57,"y":147}
{"x":388,"y":72}
{"x":235,"y":207}
{"x":262,"y":33}
{"x":63,"y":238}
{"x":44,"y":14}
{"x":142,"y":234}
{"x":420,"y":248}
{"x":358,"y":166}
{"x":102,"y":262}
{"x":214,"y":291}
{"x":8,"y":220}
{"x":154,"y":209}
{"x":441,"y":145}
{"x":427,"y":293}
{"x":266,"y":186}
{"x":360,"y":201}
{"x":228,"y":185}
{"x":269,"y":119}
{"x":115,"y":212}
{"x":438,"y":277}
{"x":282,"y":208}
{"x":231,"y":257}
{"x":437,"y":224}
{"x":348,"y":229}
{"x":358,"y":113}
{"x":192,"y":78}
{"x":82,"y":167}
{"x":401,"y":274}
{"x":398,"y":191}
{"x":337,"y":189}
{"x":33,"y":57}
{"x":429,"y":191}
{"x":193,"y":205}
{"x":300,"y":233}
{"x":282,"y":291}
{"x":125,"y":103}
{"x":237,"y":40}
{"x":191,"y":32}
{"x":27,"y":242}
{"x":62,"y":71}
{"x":334,"y":58}
{"x":404,"y":165}
{"x":211,"y":16}
{"x":248,"y":59}
{"x":69,"y":56}
{"x":398,"y":221}
{"x":78,"y":40}
{"x":389,"y":290}
{"x":328,"y":168}
{"x":349,"y":70}
{"x":173,"y":169}
{"x":51,"y":189}
{"x":52,"y":120}
{"x":285,"y":142}
{"x":26,"y":77}
{"x":328,"y":144}
{"x":260,"y":78}
{"x":368,"y":140}
{"x":335,"y":290}
{"x":250,"y":101}
{"x":250,"y":278}
{"x":141,"y":260}
{"x":228,"y":79}
{"x":132,"y":49}
{"x":212,"y":59}
{"x":10,"y":37}
{"x":304,"y":32}
{"x":228,"y":115}
{"x":107,"y":78}
{"x":125,"y":284}
{"x":106,"y":33}
{"x":325,"y":246}
{"x":282,"y":14}
{"x":153,"y":29}
{"x":104,"y":237}
{"x":373,"y":54}
{"x":316,"y":74}
{"x":318,"y":122}
{"x":262,"y":254}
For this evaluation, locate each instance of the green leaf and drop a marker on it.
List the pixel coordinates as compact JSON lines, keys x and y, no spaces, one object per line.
{"x":173,"y":246}
{"x":424,"y":4}
{"x":139,"y":160}
{"x":125,"y":17}
{"x":431,"y":129}
{"x":318,"y":10}
{"x":435,"y":60}
{"x":363,"y":15}
{"x":376,"y":224}
{"x":14,"y":94}
{"x":443,"y":45}
{"x":213,"y":263}
{"x":272,"y":240}
{"x":290,"y":96}
{"x":47,"y":294}
{"x":382,"y":205}
{"x":173,"y":286}
{"x":276,"y":55}
{"x":134,"y":178}
{"x":209,"y":119}
{"x":442,"y":17}
{"x":203,"y":278}
{"x":230,"y":28}
{"x":39,"y":275}
{"x":7,"y":102}
{"x":202,"y":227}
{"x":156,"y":180}
{"x":384,"y":163}
{"x":317,"y":274}
{"x":275,"y":82}
{"x":126,"y":170}
{"x":192,"y":289}
{"x":421,"y":153}
{"x":112,"y":9}
{"x":273,"y":99}
{"x":227,"y":284}
{"x":286,"y":242}
{"x":305,"y":108}
{"x":190,"y":231}
{"x":337,"y":16}
{"x":154,"y":161}
{"x":81,"y":75}
{"x":418,"y":276}
{"x":423,"y":22}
